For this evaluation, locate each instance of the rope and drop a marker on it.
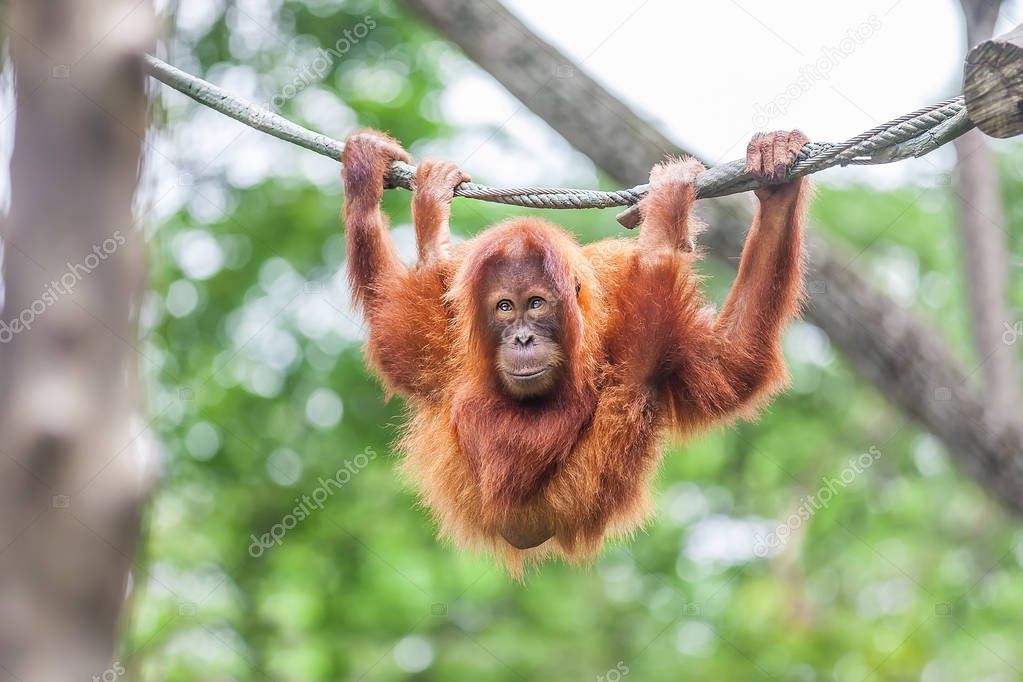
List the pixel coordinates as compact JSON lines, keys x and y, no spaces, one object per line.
{"x":907,"y":136}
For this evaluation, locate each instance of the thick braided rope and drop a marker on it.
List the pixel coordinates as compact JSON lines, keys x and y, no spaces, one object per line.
{"x":887,"y":134}
{"x":402,"y":175}
{"x":913,"y":134}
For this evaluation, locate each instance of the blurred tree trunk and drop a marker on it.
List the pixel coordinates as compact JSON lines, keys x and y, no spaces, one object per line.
{"x":70,"y":488}
{"x":904,"y":358}
{"x":982,"y":227}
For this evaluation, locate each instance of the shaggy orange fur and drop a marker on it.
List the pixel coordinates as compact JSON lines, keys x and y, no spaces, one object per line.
{"x":645,"y":354}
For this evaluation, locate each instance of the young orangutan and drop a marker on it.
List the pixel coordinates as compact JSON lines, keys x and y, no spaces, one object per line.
{"x":541,"y":375}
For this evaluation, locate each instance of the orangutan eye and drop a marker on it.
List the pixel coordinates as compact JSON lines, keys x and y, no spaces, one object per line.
{"x":505,"y":306}
{"x":536,"y":303}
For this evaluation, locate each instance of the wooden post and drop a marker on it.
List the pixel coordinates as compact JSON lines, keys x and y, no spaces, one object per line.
{"x":993,"y":84}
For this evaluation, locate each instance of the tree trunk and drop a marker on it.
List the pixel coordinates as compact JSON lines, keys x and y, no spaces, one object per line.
{"x":70,"y":488}
{"x":982,"y":228}
{"x":888,"y":346}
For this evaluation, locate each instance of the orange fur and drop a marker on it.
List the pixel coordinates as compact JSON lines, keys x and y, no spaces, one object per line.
{"x":644,"y":354}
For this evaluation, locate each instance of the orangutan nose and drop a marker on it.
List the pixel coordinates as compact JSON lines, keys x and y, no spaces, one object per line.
{"x":524,"y":339}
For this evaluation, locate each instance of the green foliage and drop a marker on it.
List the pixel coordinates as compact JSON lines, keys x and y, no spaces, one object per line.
{"x":260,"y":395}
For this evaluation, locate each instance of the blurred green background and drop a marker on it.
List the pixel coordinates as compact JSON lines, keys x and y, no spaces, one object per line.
{"x":258,"y":389}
